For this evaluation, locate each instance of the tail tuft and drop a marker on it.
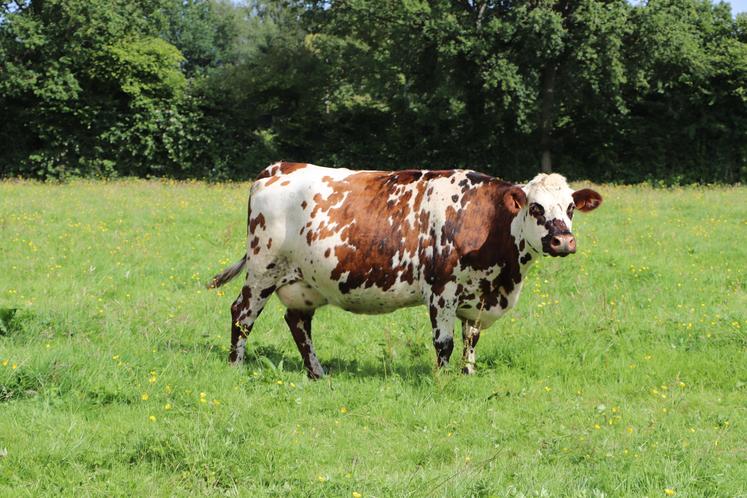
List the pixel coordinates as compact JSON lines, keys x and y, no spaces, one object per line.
{"x":228,"y":274}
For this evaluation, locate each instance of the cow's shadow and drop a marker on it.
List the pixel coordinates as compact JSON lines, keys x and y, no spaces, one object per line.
{"x":262,"y":356}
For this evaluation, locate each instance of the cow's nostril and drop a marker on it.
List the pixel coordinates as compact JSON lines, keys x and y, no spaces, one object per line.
{"x":555,"y":242}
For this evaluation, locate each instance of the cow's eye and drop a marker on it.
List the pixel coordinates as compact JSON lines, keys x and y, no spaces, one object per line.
{"x":570,"y":209}
{"x":536,"y":210}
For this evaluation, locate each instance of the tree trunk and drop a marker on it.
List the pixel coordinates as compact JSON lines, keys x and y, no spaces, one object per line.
{"x":547,"y":115}
{"x":546,"y":161}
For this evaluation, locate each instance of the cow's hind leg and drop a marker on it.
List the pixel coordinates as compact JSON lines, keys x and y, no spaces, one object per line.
{"x":470,"y":335}
{"x":244,"y":312}
{"x":299,"y":322}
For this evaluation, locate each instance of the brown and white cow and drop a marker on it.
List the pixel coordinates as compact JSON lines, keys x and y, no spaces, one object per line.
{"x":457,"y":241}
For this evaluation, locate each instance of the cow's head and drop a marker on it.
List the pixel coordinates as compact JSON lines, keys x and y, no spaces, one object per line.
{"x":543,"y":210}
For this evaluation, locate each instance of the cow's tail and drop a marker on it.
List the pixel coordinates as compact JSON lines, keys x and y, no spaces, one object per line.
{"x":228,"y":274}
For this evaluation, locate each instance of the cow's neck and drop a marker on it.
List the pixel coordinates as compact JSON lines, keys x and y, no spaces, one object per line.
{"x":504,"y":251}
{"x":525,"y":255}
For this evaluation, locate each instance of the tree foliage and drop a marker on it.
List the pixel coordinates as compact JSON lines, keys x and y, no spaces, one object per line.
{"x":602,"y":89}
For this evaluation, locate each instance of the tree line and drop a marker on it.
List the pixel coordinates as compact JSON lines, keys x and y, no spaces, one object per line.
{"x":601,"y":89}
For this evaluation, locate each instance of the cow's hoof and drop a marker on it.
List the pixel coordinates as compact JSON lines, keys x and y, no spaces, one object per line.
{"x":468,"y":370}
{"x":314,"y":375}
{"x":234,"y":360}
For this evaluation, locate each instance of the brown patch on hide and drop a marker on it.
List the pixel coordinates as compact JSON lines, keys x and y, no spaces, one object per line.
{"x":375,"y":228}
{"x":369,"y":212}
{"x":276,"y":171}
{"x":258,"y":220}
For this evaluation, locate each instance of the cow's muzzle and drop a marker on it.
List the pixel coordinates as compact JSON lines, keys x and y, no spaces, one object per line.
{"x":559,"y":244}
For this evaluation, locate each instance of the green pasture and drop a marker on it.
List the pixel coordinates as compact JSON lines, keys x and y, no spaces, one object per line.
{"x":621,"y":372}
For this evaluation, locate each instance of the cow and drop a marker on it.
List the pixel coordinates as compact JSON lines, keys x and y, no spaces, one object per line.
{"x":458,"y":241}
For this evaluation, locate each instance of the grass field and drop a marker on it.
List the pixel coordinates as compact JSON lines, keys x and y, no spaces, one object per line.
{"x":622,"y":371}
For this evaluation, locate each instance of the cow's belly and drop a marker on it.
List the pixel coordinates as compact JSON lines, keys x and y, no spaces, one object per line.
{"x":303,"y":295}
{"x":318,"y":288}
{"x":374,"y":300}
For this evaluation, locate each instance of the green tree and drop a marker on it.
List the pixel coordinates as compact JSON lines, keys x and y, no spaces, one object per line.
{"x":604,"y":89}
{"x":87,"y":87}
{"x":687,"y":118}
{"x":477,"y":74}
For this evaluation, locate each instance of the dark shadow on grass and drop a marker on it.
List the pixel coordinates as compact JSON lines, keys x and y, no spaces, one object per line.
{"x":265,"y":356}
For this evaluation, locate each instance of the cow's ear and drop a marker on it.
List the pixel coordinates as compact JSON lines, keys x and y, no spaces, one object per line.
{"x":514,"y":199}
{"x":586,"y":199}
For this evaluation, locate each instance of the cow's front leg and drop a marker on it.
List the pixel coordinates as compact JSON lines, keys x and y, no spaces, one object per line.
{"x":470,"y":335}
{"x":442,"y":321}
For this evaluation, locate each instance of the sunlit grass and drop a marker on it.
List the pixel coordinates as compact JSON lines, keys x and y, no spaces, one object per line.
{"x":622,"y":370}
